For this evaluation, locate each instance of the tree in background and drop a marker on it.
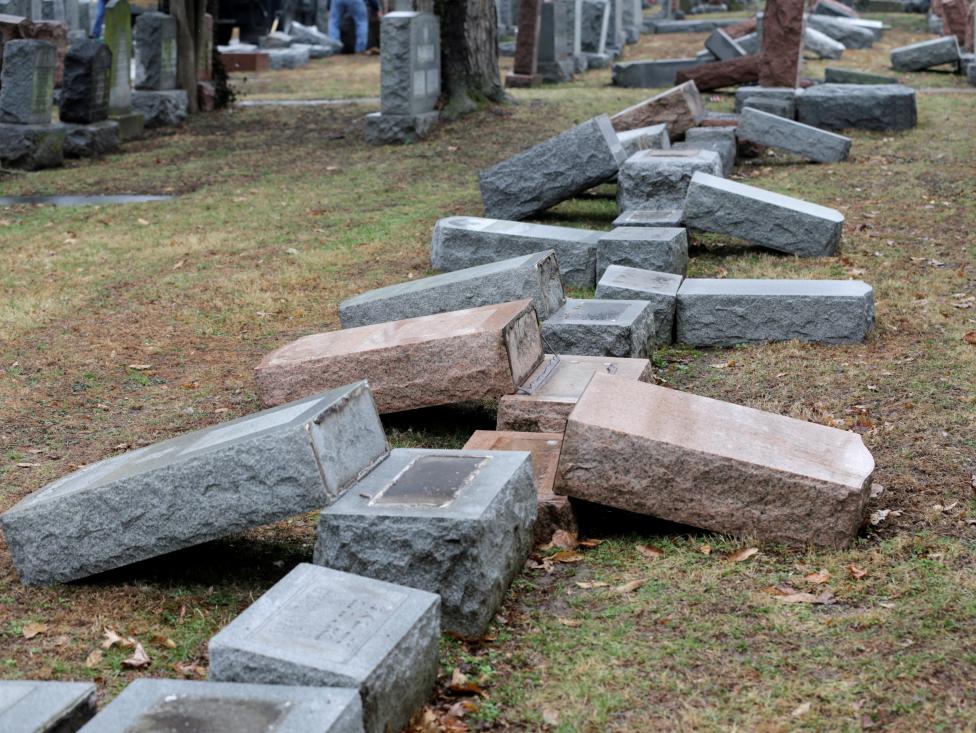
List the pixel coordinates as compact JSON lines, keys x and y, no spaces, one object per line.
{"x":190,"y":28}
{"x":469,"y":55}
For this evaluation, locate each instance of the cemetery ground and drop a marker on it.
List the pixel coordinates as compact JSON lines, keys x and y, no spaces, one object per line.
{"x":122,"y":326}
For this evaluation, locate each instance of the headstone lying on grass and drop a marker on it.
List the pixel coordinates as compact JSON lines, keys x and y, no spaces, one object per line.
{"x":850,"y":76}
{"x":653,"y":137}
{"x":762,"y":217}
{"x":455,"y":523}
{"x":554,"y":512}
{"x":29,"y":706}
{"x":857,"y":106}
{"x":727,"y":312}
{"x":590,"y":327}
{"x":926,"y":54}
{"x":660,"y":178}
{"x":552,"y":171}
{"x":747,"y":96}
{"x":660,"y":289}
{"x":833,"y":8}
{"x":809,"y":142}
{"x":677,"y":108}
{"x":318,"y":627}
{"x":650,"y":218}
{"x":546,"y":398}
{"x":534,"y":276}
{"x":200,"y":486}
{"x":821,"y":45}
{"x":723,"y":47}
{"x":842,"y":30}
{"x":714,"y":465}
{"x":649,"y":73}
{"x":167,"y":706}
{"x":460,"y":242}
{"x":433,"y":360}
{"x":664,"y":249}
{"x":721,"y":74}
{"x":721,"y":140}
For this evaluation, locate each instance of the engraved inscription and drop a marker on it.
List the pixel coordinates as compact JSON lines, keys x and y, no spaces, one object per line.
{"x":167,"y":59}
{"x":430,"y":481}
{"x":42,"y":92}
{"x":425,"y":53}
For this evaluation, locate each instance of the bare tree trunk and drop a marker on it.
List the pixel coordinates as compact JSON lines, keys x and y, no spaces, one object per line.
{"x":187,"y":13}
{"x":469,"y":54}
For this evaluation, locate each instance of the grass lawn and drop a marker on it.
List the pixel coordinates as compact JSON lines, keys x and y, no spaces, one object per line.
{"x":282,"y":212}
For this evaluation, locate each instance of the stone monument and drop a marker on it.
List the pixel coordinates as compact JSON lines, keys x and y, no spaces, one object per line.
{"x":27,"y":138}
{"x":118,"y":37}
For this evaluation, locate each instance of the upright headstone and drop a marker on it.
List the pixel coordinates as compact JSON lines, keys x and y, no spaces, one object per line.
{"x":27,"y":82}
{"x":410,"y":81}
{"x":506,"y":17}
{"x":782,"y":43}
{"x":594,"y":26}
{"x":117,"y":33}
{"x":615,"y":29}
{"x":554,"y":62}
{"x":574,"y":32}
{"x":84,"y":100}
{"x":525,"y":72}
{"x":155,"y":41}
{"x":632,"y":20}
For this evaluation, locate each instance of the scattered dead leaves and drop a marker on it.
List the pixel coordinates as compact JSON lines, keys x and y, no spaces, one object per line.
{"x":566,"y":556}
{"x":705,"y":549}
{"x":31,"y":630}
{"x":855,"y":572}
{"x":817,"y":578}
{"x":631,"y":586}
{"x":570,"y":622}
{"x":94,"y":658}
{"x":650,"y":552}
{"x":138,"y":660}
{"x":742,"y":555}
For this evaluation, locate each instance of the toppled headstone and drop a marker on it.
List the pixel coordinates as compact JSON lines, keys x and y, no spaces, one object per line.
{"x":926,"y":54}
{"x":84,"y":92}
{"x":658,"y":179}
{"x":749,"y":43}
{"x":858,"y":106}
{"x":554,"y":512}
{"x":748,"y":96}
{"x":460,"y":242}
{"x":721,"y":74}
{"x":420,"y":362}
{"x":714,"y":465}
{"x":319,"y":627}
{"x":27,"y":82}
{"x":552,"y":171}
{"x":200,"y":486}
{"x":649,"y":73}
{"x":293,"y":57}
{"x":601,"y":328}
{"x":664,"y":249}
{"x":677,"y":108}
{"x":534,"y":276}
{"x":545,"y":400}
{"x":660,"y":289}
{"x":727,"y":312}
{"x":762,"y":217}
{"x":833,"y":8}
{"x":155,"y":43}
{"x":721,"y":140}
{"x":455,"y":523}
{"x":654,"y":25}
{"x":241,"y":60}
{"x":166,"y":706}
{"x":722,"y":46}
{"x":821,"y":45}
{"x":91,"y":140}
{"x":29,"y":706}
{"x":842,"y":31}
{"x":650,"y":218}
{"x":313,"y":37}
{"x":525,"y":71}
{"x":782,"y":44}
{"x":276,"y":40}
{"x":166,"y":108}
{"x":773,"y":131}
{"x":850,"y":76}
{"x":654,"y":137}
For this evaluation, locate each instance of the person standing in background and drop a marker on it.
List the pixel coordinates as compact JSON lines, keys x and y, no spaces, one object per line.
{"x":357,"y":10}
{"x":96,"y":30}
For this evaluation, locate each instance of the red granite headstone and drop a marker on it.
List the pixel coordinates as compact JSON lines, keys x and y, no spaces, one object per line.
{"x":719,"y":74}
{"x":54,"y":32}
{"x":782,"y":44}
{"x":955,"y":15}
{"x":525,"y":72}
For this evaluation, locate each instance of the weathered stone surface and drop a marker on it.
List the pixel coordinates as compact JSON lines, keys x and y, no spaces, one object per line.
{"x":654,"y":137}
{"x":812,"y":143}
{"x":31,"y":147}
{"x":552,"y":171}
{"x":850,"y":76}
{"x":161,"y":109}
{"x":632,"y":12}
{"x":155,"y":45}
{"x":750,"y":96}
{"x":598,"y":60}
{"x":664,"y":25}
{"x":649,"y":73}
{"x":52,"y":31}
{"x":555,"y":61}
{"x":876,"y":27}
{"x":314,"y":37}
{"x":714,"y":465}
{"x":762,"y":217}
{"x":545,"y":400}
{"x":117,"y":33}
{"x":420,"y":362}
{"x":728,"y":312}
{"x":663,"y":249}
{"x":660,"y":289}
{"x":650,"y":218}
{"x":926,"y":54}
{"x":534,"y":276}
{"x":957,"y":16}
{"x":455,"y":523}
{"x":384,"y":129}
{"x":720,"y":140}
{"x":130,"y":124}
{"x":858,"y":106}
{"x":166,"y":706}
{"x":554,"y":512}
{"x":743,"y":70}
{"x":89,"y":141}
{"x":658,"y":179}
{"x":324,"y":628}
{"x":595,"y":23}
{"x":200,"y":486}
{"x":276,"y":39}
{"x":616,"y":38}
{"x":677,"y":108}
{"x":601,"y":328}
{"x":821,"y":45}
{"x":525,"y":69}
{"x":84,"y":91}
{"x":28,"y":706}
{"x":410,"y":63}
{"x":460,"y":242}
{"x":27,"y":82}
{"x":749,"y":43}
{"x":833,"y":8}
{"x":782,"y":44}
{"x":842,"y":31}
{"x":722,"y":46}
{"x":293,"y":57}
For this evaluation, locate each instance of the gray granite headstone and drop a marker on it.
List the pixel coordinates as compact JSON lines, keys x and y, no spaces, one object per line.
{"x":858,"y":106}
{"x":658,"y":179}
{"x":203,"y":485}
{"x":410,"y":62}
{"x":650,"y":218}
{"x":117,"y":34}
{"x":555,"y":62}
{"x":29,"y":706}
{"x":652,"y":137}
{"x":84,"y":91}
{"x":594,"y":26}
{"x":660,"y":289}
{"x":155,"y":42}
{"x":723,"y":47}
{"x":851,"y":76}
{"x":663,"y":249}
{"x":27,"y":82}
{"x":649,"y":74}
{"x":324,"y":628}
{"x":773,"y":131}
{"x":455,"y":523}
{"x":925,"y":54}
{"x":842,"y":30}
{"x":601,"y":328}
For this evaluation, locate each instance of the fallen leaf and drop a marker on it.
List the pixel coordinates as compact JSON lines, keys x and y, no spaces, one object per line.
{"x":819,"y":600}
{"x":586,"y":586}
{"x":800,"y":710}
{"x":32,"y":630}
{"x":744,"y":554}
{"x":94,"y":658}
{"x":566,"y":556}
{"x":570,"y":622}
{"x":460,"y":684}
{"x":160,"y":640}
{"x":651,"y":552}
{"x":970,"y":338}
{"x":550,"y":717}
{"x":590,"y":544}
{"x":563,"y":540}
{"x":111,"y":639}
{"x":705,"y":549}
{"x":190,"y":670}
{"x":817,"y":578}
{"x":138,"y":659}
{"x":631,"y":586}
{"x":140,"y":367}
{"x":780,"y":590}
{"x":856,"y":572}
{"x":28,"y":465}
{"x":143,"y":222}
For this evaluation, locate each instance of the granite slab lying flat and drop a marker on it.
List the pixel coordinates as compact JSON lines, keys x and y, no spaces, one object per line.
{"x":433,"y":360}
{"x":590,"y":327}
{"x":663,"y":249}
{"x":877,"y":107}
{"x":200,"y":486}
{"x":318,"y":627}
{"x":725,"y":312}
{"x":926,"y":54}
{"x":714,"y":465}
{"x":809,"y":142}
{"x":660,"y":289}
{"x":30,"y":706}
{"x":545,"y":400}
{"x":175,"y":706}
{"x":455,"y":523}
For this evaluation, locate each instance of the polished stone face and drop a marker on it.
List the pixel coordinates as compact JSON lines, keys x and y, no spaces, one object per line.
{"x":433,"y":481}
{"x":210,"y":715}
